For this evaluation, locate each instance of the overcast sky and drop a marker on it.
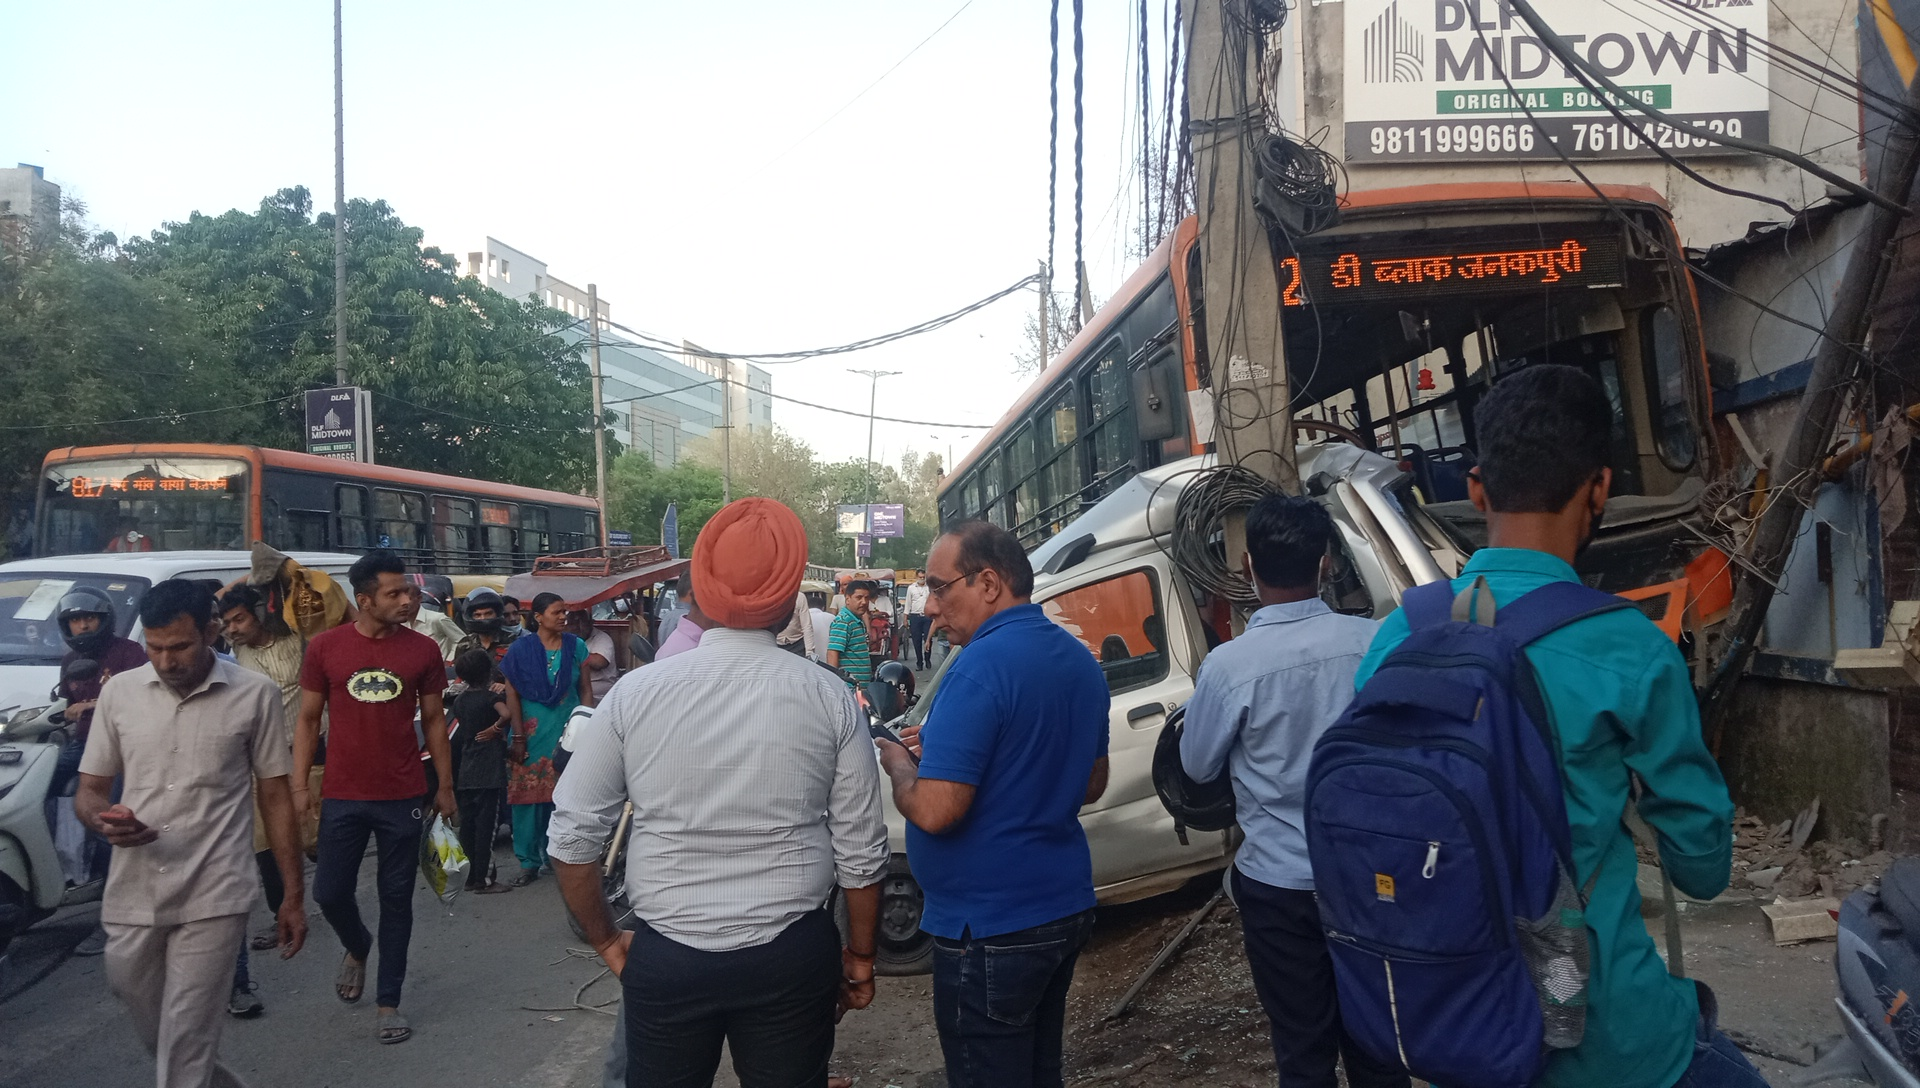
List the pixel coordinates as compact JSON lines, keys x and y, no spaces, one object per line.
{"x":673,"y":153}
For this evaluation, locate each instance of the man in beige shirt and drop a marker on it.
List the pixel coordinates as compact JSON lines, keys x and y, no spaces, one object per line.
{"x":188,"y":733}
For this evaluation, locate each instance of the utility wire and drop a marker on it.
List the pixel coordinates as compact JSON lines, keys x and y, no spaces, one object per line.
{"x":863,"y":91}
{"x":779,"y":357}
{"x":1079,"y":166}
{"x":883,"y":419}
{"x":1053,"y":144}
{"x":151,"y":419}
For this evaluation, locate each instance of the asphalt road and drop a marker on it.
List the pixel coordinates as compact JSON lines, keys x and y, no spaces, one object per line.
{"x":475,"y":968}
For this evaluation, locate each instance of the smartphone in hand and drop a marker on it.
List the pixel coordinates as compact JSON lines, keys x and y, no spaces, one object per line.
{"x":882,"y":732}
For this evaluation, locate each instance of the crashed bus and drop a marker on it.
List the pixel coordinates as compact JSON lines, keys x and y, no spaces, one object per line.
{"x":1397,"y":320}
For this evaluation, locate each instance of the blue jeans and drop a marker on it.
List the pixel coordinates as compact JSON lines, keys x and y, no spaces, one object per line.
{"x":345,"y":827}
{"x":1001,"y":1003}
{"x":1717,"y":1063}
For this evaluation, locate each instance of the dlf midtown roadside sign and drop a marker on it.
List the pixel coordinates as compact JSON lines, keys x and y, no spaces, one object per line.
{"x":1466,"y":80}
{"x":340,"y":423}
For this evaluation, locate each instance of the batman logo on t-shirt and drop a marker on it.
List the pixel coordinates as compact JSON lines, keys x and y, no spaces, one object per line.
{"x":374,"y":686}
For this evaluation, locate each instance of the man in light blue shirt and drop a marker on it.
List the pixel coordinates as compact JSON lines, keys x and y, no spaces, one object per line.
{"x":1259,"y":705}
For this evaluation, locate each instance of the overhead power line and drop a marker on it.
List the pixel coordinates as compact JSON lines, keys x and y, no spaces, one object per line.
{"x":773,"y":358}
{"x":863,"y":91}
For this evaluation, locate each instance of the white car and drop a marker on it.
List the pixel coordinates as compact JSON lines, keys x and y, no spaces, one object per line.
{"x":1108,"y":577}
{"x":30,"y":590}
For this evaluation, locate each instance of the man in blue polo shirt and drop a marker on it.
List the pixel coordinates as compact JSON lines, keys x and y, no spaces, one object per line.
{"x":1015,"y":745}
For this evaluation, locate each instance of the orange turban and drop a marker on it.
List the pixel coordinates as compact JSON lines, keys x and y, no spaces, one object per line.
{"x":747,"y":564}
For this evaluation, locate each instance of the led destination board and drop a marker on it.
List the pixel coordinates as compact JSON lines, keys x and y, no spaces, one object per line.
{"x":1360,"y":274}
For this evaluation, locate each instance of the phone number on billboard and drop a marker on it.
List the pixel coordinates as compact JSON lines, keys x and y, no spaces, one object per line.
{"x":1425,"y":139}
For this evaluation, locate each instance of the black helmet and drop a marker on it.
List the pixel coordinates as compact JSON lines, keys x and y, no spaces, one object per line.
{"x":86,"y":601}
{"x":900,"y":676}
{"x":1202,"y":806}
{"x":485,"y":598}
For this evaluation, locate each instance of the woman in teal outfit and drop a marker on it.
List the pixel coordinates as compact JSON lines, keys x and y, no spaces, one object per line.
{"x":546,"y":678}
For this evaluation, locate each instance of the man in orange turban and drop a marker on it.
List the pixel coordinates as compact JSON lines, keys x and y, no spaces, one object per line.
{"x":748,"y":562}
{"x":755,"y":794}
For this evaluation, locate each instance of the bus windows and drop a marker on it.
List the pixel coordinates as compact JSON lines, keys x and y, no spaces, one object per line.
{"x":143,"y":504}
{"x":455,"y":530}
{"x":533,"y":532}
{"x":1023,"y":491}
{"x":993,"y":504}
{"x":1057,"y":435}
{"x":350,"y":517}
{"x":1110,"y":441}
{"x":496,"y":534}
{"x":400,"y":520}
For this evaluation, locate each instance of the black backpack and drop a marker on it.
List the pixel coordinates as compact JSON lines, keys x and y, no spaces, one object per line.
{"x":1202,"y":806}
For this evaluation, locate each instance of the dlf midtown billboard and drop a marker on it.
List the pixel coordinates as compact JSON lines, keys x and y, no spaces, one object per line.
{"x":1423,"y":78}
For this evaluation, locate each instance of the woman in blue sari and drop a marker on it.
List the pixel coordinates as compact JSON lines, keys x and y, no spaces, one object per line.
{"x":546,"y":679}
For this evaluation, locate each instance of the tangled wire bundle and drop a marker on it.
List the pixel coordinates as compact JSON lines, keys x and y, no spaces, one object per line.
{"x":1201,"y":515}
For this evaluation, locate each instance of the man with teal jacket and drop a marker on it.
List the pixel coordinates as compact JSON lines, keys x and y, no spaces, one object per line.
{"x":1620,"y":699}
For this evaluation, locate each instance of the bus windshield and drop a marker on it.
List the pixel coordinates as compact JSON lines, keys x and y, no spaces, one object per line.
{"x":136,"y":504}
{"x":29,"y":630}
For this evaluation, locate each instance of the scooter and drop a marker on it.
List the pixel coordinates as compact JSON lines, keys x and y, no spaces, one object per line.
{"x":32,"y":883}
{"x":1878,"y":967}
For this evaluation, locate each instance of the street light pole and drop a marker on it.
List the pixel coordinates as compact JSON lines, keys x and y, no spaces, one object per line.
{"x":599,"y":411}
{"x":339,"y":211}
{"x":873,"y":399}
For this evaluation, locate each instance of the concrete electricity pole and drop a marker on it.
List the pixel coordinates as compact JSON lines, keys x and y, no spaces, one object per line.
{"x":873,"y":400}
{"x":599,"y":411}
{"x":726,"y":431}
{"x":1252,"y":425}
{"x":339,"y":211}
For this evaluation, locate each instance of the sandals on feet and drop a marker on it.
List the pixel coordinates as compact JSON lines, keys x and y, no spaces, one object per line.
{"x":494,"y":888}
{"x":391,"y":1027}
{"x":352,"y":980}
{"x":526,"y":877}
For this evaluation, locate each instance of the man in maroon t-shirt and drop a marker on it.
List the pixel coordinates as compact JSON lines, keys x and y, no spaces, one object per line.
{"x":369,"y":676}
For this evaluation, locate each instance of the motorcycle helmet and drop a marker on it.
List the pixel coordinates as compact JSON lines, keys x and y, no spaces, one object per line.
{"x":1202,"y":806}
{"x":900,"y":676}
{"x":485,"y":598}
{"x":86,"y":601}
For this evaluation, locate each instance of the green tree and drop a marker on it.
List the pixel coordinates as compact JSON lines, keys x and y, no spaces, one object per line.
{"x":91,"y":353}
{"x":466,"y":381}
{"x":638,"y":492}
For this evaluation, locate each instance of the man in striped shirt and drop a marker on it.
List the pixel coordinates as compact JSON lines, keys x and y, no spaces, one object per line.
{"x":847,"y":647}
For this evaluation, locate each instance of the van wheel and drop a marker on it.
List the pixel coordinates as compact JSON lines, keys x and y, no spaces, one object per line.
{"x":902,"y":948}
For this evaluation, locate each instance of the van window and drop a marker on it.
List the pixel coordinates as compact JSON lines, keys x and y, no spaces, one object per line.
{"x":29,"y":630}
{"x":1119,"y":621}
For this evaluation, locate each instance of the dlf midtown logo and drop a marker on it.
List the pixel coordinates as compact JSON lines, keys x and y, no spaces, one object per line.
{"x":1393,"y":50}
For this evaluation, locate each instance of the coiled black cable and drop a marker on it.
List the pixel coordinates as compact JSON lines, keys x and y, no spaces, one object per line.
{"x":1201,"y":515}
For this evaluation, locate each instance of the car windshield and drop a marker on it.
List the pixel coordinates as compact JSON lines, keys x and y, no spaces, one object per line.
{"x":29,"y":632}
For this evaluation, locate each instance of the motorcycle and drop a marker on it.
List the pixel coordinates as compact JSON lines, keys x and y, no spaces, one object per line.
{"x":1877,"y":964}
{"x":613,"y":858}
{"x":32,"y":882}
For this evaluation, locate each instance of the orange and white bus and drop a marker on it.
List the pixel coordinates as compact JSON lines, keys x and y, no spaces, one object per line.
{"x":173,"y":497}
{"x":1396,"y":321}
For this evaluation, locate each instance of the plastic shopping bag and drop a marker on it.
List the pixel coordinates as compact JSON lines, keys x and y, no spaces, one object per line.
{"x":442,"y":860}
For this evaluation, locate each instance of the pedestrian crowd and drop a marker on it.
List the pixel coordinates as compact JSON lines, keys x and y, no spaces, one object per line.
{"x":754,"y":799}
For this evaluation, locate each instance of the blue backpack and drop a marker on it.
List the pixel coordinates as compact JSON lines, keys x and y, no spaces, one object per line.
{"x":1441,"y":853}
